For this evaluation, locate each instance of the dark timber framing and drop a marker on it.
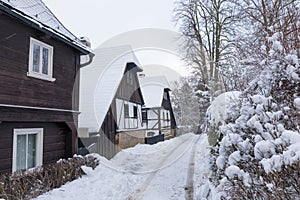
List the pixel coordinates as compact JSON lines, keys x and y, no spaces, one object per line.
{"x":159,"y":120}
{"x":128,"y":90}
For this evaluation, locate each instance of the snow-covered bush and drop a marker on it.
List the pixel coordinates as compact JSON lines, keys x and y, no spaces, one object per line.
{"x":259,"y":154}
{"x":218,"y":113}
{"x":27,"y":184}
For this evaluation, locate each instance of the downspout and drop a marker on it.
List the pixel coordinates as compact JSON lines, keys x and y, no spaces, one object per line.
{"x":91,"y":55}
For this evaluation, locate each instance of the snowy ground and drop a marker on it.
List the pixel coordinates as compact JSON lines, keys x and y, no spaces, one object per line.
{"x":160,"y":171}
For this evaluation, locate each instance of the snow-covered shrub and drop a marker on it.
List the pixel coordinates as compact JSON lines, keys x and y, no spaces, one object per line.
{"x":259,"y":154}
{"x":218,"y":113}
{"x":27,"y":184}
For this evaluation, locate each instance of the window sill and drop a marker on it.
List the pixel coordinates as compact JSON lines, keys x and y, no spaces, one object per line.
{"x":40,"y":76}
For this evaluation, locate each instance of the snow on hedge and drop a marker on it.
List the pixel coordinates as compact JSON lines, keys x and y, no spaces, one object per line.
{"x":260,"y":148}
{"x":218,"y":112}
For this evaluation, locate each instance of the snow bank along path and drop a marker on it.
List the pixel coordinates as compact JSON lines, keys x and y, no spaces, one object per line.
{"x":143,"y":172}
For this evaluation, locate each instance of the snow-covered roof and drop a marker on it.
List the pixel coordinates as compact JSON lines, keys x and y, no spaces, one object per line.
{"x":99,"y":82}
{"x":37,"y":14}
{"x":153,"y":90}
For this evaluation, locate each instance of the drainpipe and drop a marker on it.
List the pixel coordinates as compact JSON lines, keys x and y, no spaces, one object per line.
{"x":90,"y":56}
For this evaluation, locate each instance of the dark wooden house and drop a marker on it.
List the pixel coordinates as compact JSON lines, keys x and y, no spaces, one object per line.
{"x":111,"y":102}
{"x":39,"y":62}
{"x":157,"y":114}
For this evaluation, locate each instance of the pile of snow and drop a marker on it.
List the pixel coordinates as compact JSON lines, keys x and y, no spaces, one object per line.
{"x":156,"y":171}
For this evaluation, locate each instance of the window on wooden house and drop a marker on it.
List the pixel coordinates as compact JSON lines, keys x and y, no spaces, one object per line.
{"x":135,"y":112}
{"x":130,"y":78}
{"x":126,"y":110}
{"x":40,"y":60}
{"x":144,"y":115}
{"x":27,"y":148}
{"x":165,"y":96}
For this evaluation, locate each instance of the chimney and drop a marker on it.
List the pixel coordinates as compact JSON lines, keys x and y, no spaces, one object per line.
{"x":86,"y":41}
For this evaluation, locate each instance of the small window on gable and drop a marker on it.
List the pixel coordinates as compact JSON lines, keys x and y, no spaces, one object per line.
{"x":165,"y":96}
{"x":27,"y":148}
{"x":40,"y":60}
{"x":130,"y":78}
{"x":126,"y":110}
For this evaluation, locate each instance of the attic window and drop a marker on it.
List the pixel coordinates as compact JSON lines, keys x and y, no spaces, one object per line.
{"x":130,"y":78}
{"x":40,"y":60}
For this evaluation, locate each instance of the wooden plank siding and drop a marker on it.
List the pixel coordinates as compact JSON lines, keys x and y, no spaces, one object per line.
{"x":54,"y":146}
{"x":19,"y":89}
{"x":127,"y":91}
{"x":60,"y":134}
{"x":166,"y":103}
{"x":107,"y":141}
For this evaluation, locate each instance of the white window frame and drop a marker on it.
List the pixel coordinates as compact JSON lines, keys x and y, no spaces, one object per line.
{"x":39,"y":144}
{"x":40,"y":75}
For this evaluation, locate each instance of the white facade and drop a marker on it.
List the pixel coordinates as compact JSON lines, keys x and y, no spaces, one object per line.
{"x":129,"y":119}
{"x":158,"y":119}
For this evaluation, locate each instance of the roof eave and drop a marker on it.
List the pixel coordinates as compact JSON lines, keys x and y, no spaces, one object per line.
{"x":5,"y":8}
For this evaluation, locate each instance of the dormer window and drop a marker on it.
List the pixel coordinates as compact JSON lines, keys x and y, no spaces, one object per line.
{"x":40,"y":60}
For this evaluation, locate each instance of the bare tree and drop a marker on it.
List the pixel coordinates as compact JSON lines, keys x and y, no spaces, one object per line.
{"x":265,"y":18}
{"x":207,"y":28}
{"x":186,"y":105}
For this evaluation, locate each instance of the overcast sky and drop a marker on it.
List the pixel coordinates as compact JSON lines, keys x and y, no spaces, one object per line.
{"x":101,"y":20}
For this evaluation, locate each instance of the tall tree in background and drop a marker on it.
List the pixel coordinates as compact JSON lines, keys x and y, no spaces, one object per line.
{"x":207,"y":27}
{"x":260,"y":20}
{"x":186,"y":105}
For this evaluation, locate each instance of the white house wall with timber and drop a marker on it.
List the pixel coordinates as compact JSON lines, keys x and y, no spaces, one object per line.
{"x":157,"y":114}
{"x":99,"y":84}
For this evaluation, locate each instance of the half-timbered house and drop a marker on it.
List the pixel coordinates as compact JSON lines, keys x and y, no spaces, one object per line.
{"x":157,"y":113}
{"x":111,"y":102}
{"x":39,"y":61}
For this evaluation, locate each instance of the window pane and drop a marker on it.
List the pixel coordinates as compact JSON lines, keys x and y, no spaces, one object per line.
{"x":31,"y":151}
{"x":21,"y":152}
{"x":144,"y":115}
{"x":126,"y":110}
{"x":36,"y":58}
{"x":45,"y":61}
{"x":135,"y":111}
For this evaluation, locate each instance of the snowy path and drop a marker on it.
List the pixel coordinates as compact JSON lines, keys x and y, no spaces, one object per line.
{"x":189,"y":188}
{"x":157,"y":171}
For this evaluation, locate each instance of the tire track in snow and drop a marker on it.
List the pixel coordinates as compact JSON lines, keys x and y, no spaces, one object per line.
{"x":189,"y":188}
{"x":175,"y":151}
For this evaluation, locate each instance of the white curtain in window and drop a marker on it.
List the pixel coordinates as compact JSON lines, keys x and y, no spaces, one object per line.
{"x":26,"y":151}
{"x":36,"y":58}
{"x":21,"y":152}
{"x":31,"y":151}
